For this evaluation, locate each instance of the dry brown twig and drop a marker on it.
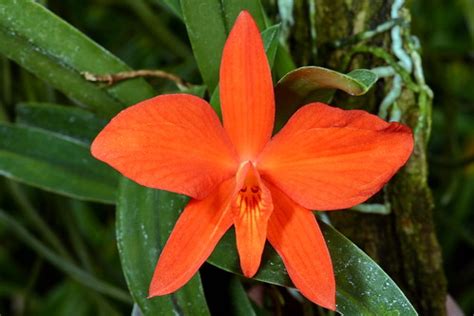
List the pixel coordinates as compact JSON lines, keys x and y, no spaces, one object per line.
{"x":111,"y":79}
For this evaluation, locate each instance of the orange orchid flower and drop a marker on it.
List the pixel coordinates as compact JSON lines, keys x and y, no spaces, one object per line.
{"x":324,"y":158}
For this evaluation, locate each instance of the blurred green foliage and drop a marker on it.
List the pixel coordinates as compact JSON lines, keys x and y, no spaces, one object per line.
{"x":446,"y":33}
{"x":59,"y":255}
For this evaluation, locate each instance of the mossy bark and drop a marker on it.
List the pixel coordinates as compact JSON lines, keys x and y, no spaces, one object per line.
{"x":404,"y":242}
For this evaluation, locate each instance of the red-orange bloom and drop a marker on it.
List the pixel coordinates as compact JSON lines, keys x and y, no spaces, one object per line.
{"x":237,"y":174}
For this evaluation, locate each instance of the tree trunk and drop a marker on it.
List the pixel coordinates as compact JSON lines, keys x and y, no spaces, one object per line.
{"x":404,"y":242}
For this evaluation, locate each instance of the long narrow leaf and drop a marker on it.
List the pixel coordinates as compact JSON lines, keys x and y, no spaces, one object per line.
{"x":59,"y":53}
{"x":67,"y":267}
{"x":207,"y":33}
{"x":54,"y":163}
{"x":140,"y":238}
{"x":173,"y":5}
{"x":232,"y":8}
{"x":73,"y":122}
{"x":241,"y":305}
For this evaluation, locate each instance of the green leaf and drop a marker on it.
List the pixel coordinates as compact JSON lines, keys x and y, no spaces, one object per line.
{"x":76,"y":273}
{"x":270,"y":38}
{"x":207,"y":34}
{"x":271,"y":270}
{"x":136,"y":311}
{"x":145,"y":218}
{"x":232,"y":9}
{"x":173,"y":5}
{"x":65,"y":120}
{"x":59,"y":53}
{"x":363,"y":288}
{"x":283,"y":62}
{"x":241,"y":305}
{"x":54,"y":163}
{"x":69,"y":298}
{"x":158,"y":28}
{"x":198,"y":91}
{"x":310,"y":84}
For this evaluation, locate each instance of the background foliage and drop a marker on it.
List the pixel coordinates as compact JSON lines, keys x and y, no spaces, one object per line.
{"x":58,"y":255}
{"x":446,"y":31}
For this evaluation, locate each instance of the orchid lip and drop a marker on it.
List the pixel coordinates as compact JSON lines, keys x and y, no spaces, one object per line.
{"x":248,"y":189}
{"x":251,"y":209}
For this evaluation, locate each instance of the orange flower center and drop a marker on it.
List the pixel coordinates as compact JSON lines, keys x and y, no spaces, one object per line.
{"x":248,"y":199}
{"x":251,"y":198}
{"x":251,"y":207}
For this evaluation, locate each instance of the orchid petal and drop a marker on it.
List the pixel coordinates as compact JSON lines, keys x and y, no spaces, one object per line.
{"x":246,"y":89}
{"x":195,"y":235}
{"x":171,"y":142}
{"x":296,"y":236}
{"x":251,"y":208}
{"x":326,"y":158}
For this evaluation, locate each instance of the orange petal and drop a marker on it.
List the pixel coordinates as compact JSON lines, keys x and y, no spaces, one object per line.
{"x":326,"y":158}
{"x":197,"y":231}
{"x":171,"y":142}
{"x":251,"y":208}
{"x":295,"y":235}
{"x":246,"y":89}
